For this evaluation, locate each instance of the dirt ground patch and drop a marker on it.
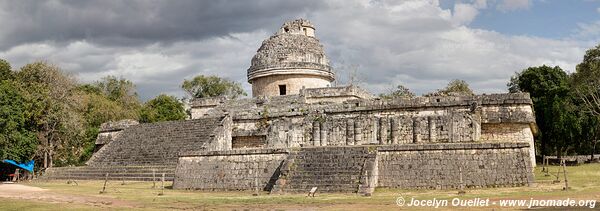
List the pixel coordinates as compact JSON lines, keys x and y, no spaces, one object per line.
{"x":25,"y":192}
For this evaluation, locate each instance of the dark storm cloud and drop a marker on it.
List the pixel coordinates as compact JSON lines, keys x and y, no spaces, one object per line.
{"x":137,"y":22}
{"x":158,"y":44}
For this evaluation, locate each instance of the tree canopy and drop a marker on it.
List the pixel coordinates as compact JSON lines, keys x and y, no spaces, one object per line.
{"x":586,"y":81}
{"x":5,"y":70}
{"x":17,"y":140}
{"x":212,"y":86}
{"x":555,"y":112}
{"x":162,"y":108}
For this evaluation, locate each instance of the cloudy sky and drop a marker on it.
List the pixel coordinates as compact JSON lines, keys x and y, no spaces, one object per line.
{"x":420,"y":44}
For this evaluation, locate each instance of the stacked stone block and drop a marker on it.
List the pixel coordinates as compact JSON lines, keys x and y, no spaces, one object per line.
{"x":330,"y":169}
{"x":255,"y":169}
{"x":440,"y":166}
{"x":157,"y":143}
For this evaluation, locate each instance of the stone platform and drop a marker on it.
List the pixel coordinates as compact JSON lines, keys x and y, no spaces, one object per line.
{"x":358,"y":168}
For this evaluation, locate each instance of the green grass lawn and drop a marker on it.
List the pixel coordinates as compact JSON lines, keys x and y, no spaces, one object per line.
{"x":584,"y":181}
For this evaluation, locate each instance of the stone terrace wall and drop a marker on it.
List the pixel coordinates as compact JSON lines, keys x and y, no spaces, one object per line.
{"x":439,"y":166}
{"x":229,"y":170}
{"x":160,"y":143}
{"x":358,"y":168}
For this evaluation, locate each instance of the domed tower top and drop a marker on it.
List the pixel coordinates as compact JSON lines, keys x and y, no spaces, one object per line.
{"x":288,"y":61}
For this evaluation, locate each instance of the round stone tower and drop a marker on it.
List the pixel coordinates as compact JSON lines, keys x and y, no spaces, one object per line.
{"x":288,"y":61}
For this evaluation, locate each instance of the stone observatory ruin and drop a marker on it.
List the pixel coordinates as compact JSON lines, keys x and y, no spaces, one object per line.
{"x":297,"y":133}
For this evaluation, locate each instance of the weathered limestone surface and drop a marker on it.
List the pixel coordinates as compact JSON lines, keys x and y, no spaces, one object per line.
{"x":269,"y":86}
{"x":292,"y":57}
{"x":289,"y":121}
{"x":330,"y":169}
{"x":110,"y":130}
{"x":229,"y":170}
{"x":334,"y":94}
{"x":358,"y":168}
{"x":160,"y":143}
{"x":439,"y":166}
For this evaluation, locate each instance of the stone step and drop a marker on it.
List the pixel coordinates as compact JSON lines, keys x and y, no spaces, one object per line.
{"x":330,"y":169}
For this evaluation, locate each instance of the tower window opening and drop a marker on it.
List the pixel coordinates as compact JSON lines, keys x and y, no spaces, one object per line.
{"x":282,"y":90}
{"x":286,"y":29}
{"x":305,"y":32}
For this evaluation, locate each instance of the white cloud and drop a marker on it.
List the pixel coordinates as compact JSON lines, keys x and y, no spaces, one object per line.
{"x":464,"y":13}
{"x":414,"y":43}
{"x":588,"y":30}
{"x":511,"y":5}
{"x":480,"y":4}
{"x":598,"y":9}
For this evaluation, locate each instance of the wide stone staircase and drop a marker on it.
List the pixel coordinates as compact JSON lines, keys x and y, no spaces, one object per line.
{"x":141,"y":150}
{"x":330,"y":169}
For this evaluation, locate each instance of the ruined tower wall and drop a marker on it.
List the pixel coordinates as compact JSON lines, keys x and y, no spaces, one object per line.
{"x":269,"y":85}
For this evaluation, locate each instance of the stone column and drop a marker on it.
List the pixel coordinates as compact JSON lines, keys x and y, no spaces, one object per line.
{"x":349,"y":132}
{"x":316,"y":133}
{"x":415,"y":130}
{"x":323,"y":131}
{"x":395,"y":124}
{"x":383,"y":130}
{"x":358,"y":132}
{"x":432,"y":129}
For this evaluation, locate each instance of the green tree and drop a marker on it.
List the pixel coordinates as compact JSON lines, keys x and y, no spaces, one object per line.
{"x":400,"y":91}
{"x":586,"y":81}
{"x":119,"y":90}
{"x":17,"y":142}
{"x":162,"y":108}
{"x":5,"y":70}
{"x":211,"y":86}
{"x":554,"y":110}
{"x":455,"y":87}
{"x":54,"y":111}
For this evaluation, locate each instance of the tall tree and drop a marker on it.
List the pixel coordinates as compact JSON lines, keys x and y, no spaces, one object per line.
{"x":586,"y":81}
{"x":400,"y":91}
{"x":119,"y":90}
{"x":211,"y":86}
{"x":54,"y":110}
{"x":554,"y":111}
{"x":162,"y":108}
{"x":17,"y":141}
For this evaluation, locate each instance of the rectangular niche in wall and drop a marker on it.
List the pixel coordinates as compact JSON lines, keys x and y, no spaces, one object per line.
{"x":282,"y":90}
{"x":248,"y":141}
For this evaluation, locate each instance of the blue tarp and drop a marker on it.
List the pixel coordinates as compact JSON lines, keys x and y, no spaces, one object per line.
{"x":27,"y":166}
